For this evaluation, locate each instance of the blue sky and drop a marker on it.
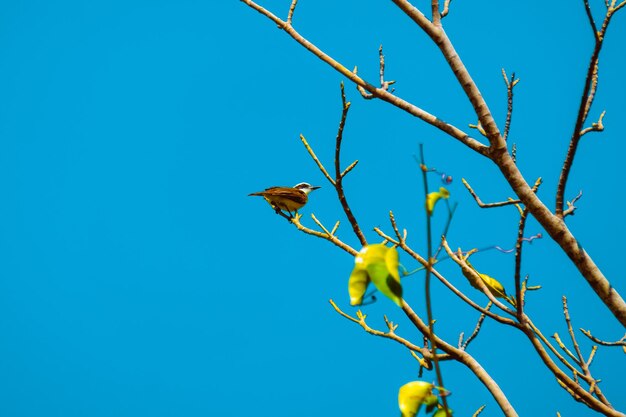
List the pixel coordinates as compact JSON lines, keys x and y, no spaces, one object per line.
{"x":138,"y":278}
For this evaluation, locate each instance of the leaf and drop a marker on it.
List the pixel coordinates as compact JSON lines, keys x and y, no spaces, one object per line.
{"x":432,"y":198}
{"x":357,"y":285}
{"x":493,"y":285}
{"x":379,"y":264}
{"x":412,"y":395}
{"x":382,"y":267}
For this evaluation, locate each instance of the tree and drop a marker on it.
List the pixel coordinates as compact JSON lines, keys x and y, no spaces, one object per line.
{"x":558,"y":358}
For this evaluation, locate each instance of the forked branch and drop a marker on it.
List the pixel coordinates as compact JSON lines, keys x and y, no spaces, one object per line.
{"x":588,"y":95}
{"x":509,"y":202}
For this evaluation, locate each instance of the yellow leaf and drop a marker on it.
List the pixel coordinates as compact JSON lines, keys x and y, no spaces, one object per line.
{"x":432,"y":198}
{"x":493,"y":285}
{"x":411,"y":396}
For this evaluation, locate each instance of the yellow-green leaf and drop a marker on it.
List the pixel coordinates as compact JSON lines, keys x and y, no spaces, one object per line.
{"x":411,"y":396}
{"x":493,"y":285}
{"x":379,"y":264}
{"x":357,"y":285}
{"x":432,"y":198}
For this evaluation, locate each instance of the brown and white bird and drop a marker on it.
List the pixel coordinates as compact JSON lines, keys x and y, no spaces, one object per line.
{"x":290,"y":199}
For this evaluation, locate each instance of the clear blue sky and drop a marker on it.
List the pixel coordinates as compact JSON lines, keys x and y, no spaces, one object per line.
{"x":137,"y":278}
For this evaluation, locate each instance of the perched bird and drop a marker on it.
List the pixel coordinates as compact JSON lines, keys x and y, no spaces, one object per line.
{"x":290,"y":199}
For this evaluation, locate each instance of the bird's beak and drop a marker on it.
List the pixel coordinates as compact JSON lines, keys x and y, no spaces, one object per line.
{"x":315,"y":187}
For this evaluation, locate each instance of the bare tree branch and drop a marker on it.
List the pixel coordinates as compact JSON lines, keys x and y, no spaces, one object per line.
{"x":436,"y":14}
{"x":338,"y":173}
{"x":584,"y":365}
{"x":509,"y":93}
{"x":360,"y":320}
{"x":476,"y":328}
{"x":621,"y":342}
{"x":519,"y":295}
{"x":325,"y":235}
{"x":383,"y":84}
{"x":566,"y":382}
{"x":446,"y":8}
{"x":588,"y":95}
{"x":378,"y":92}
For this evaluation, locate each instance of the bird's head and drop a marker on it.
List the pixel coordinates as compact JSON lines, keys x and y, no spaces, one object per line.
{"x":305,"y":187}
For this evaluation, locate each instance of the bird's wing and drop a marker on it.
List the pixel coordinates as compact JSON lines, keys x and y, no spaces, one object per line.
{"x":289,"y":193}
{"x":270,"y":191}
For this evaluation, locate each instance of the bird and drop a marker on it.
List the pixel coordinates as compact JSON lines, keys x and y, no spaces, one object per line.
{"x":290,"y":199}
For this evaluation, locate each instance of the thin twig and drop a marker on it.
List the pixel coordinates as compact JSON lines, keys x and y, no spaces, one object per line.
{"x":477,"y":327}
{"x":480,"y":410}
{"x":588,"y":95}
{"x":570,"y":330}
{"x":595,"y":127}
{"x":592,"y":22}
{"x":322,"y":235}
{"x":498,"y":204}
{"x":446,"y":227}
{"x":345,"y":106}
{"x":360,"y":320}
{"x":292,"y":8}
{"x":564,"y":348}
{"x":349,"y":168}
{"x":584,"y":365}
{"x":571,"y":208}
{"x":437,"y":22}
{"x":620,"y":342}
{"x":384,"y":85}
{"x":317,"y":161}
{"x":519,"y":296}
{"x":429,"y":245}
{"x":446,"y":8}
{"x":509,"y":93}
